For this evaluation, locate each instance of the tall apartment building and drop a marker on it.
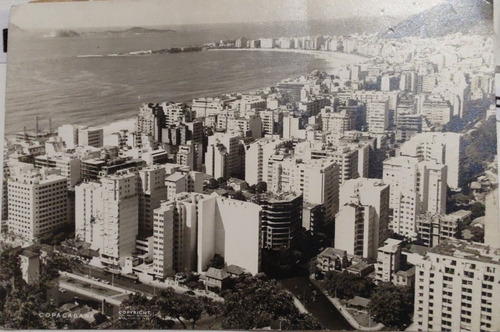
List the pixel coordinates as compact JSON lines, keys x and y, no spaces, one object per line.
{"x":247,"y":103}
{"x":69,"y":135}
{"x":415,"y":187}
{"x":203,"y":107}
{"x":106,"y":216}
{"x":291,"y":126}
{"x":190,"y":228}
{"x":437,"y":111}
{"x":361,"y":194}
{"x":355,"y":230}
{"x":337,"y":122}
{"x":223,"y":157}
{"x":249,"y":126}
{"x":191,"y":155}
{"x":175,"y":235}
{"x":37,"y":202}
{"x":149,"y":120}
{"x":492,"y":220}
{"x":377,"y":116}
{"x":90,"y":136}
{"x":388,"y":260}
{"x":351,"y":158}
{"x":435,"y":228}
{"x":457,"y":289}
{"x":151,"y":191}
{"x":68,"y":164}
{"x":443,"y":148}
{"x":316,"y":179}
{"x":257,"y":155}
{"x":175,"y":113}
{"x":267,"y":118}
{"x":281,"y":219}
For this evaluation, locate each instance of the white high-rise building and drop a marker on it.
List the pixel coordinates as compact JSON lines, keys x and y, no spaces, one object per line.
{"x":37,"y":202}
{"x":290,"y":127}
{"x":90,"y":136}
{"x":175,"y":235}
{"x":106,"y":216}
{"x":352,"y":158}
{"x":388,"y":260}
{"x":355,"y":230}
{"x":336,"y":122}
{"x":316,"y":179}
{"x":367,"y":193}
{"x":152,"y":191}
{"x":457,"y":289}
{"x":223,"y":158}
{"x":204,"y":107}
{"x":69,"y":135}
{"x":443,"y":148}
{"x":257,"y":155}
{"x":249,"y":126}
{"x":377,"y":116}
{"x":492,"y":220}
{"x":190,"y":228}
{"x":267,"y":118}
{"x":415,"y":187}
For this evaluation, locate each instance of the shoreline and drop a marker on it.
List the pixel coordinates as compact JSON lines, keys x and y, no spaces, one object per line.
{"x":333,"y":59}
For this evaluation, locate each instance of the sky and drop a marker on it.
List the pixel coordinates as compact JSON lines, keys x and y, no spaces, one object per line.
{"x":127,"y":13}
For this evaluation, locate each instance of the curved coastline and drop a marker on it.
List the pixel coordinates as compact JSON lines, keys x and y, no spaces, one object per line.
{"x":333,"y":59}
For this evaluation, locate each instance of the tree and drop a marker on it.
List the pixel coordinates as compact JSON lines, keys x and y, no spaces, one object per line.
{"x":212,"y":184}
{"x":10,"y":266}
{"x":192,"y":308}
{"x":477,"y":234}
{"x":346,"y":285}
{"x":221,"y":182}
{"x":148,"y":317}
{"x":100,"y":318}
{"x":256,"y":303}
{"x":392,"y":305}
{"x":478,"y":210}
{"x":25,"y":308}
{"x":79,"y":324}
{"x":261,"y":187}
{"x":238,"y":195}
{"x":217,"y":262}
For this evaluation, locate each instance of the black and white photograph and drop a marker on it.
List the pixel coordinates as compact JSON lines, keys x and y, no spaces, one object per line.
{"x":250,"y":165}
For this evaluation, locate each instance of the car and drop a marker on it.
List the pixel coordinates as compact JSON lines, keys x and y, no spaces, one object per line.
{"x":190,"y":292}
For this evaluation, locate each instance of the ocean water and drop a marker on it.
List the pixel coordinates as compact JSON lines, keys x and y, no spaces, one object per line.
{"x":45,"y":76}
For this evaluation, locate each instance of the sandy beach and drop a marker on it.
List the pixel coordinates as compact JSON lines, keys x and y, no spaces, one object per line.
{"x":334,"y":60}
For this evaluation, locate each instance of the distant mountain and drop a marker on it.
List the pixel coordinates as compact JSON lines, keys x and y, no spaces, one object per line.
{"x":142,"y":30}
{"x":61,"y":33}
{"x":469,"y":16}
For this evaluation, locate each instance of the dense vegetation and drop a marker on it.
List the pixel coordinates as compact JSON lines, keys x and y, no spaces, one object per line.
{"x":251,"y":303}
{"x":392,"y":305}
{"x":480,"y":150}
{"x":346,"y":285}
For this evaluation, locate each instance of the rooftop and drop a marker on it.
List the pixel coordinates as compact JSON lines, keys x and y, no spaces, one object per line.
{"x":359,"y":301}
{"x":467,"y":250}
{"x":330,"y":252}
{"x":390,"y":245}
{"x":416,"y":249}
{"x":217,"y":274}
{"x":174,"y":177}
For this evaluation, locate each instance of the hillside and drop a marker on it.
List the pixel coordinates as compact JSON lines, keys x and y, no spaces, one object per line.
{"x":471,"y":16}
